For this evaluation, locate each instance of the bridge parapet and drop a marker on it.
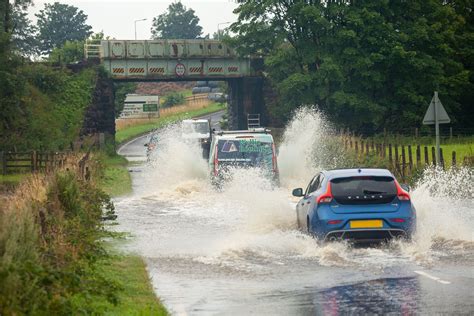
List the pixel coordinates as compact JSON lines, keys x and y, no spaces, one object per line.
{"x":168,"y":59}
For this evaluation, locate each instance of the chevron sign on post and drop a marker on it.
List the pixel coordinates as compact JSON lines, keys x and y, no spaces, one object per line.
{"x":436,"y":114}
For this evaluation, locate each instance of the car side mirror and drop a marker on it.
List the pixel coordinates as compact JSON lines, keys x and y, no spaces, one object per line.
{"x":298,"y":192}
{"x":405,"y":187}
{"x":146,"y":145}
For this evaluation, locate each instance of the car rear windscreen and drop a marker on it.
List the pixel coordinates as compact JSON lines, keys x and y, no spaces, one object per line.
{"x":245,"y":152}
{"x":363,"y":190}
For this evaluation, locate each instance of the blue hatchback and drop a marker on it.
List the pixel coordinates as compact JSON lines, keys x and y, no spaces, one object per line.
{"x":363,"y":205}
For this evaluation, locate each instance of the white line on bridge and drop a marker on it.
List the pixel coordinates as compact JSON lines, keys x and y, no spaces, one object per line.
{"x":432,"y":277}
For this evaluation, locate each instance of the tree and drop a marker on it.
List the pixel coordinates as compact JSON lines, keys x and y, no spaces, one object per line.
{"x":367,"y":64}
{"x":176,"y":23}
{"x":23,"y":32}
{"x":58,"y":23}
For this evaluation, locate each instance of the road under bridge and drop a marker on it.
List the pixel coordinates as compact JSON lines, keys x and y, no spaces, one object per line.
{"x":186,"y":60}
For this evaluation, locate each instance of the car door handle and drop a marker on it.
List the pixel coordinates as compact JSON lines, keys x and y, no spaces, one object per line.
{"x":309,"y":202}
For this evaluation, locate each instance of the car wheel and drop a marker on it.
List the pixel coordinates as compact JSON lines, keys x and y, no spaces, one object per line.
{"x":308,"y":228}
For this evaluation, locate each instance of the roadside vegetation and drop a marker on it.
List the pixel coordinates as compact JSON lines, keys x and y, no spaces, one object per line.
{"x":368,"y":65}
{"x":140,"y":127}
{"x":53,"y":255}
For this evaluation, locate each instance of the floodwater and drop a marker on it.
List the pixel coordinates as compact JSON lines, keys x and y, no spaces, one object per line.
{"x":238,"y":252}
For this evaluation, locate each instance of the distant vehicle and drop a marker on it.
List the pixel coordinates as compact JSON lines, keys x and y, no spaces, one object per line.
{"x":362,"y":205}
{"x":198,"y":130}
{"x":151,"y":145}
{"x":217,"y":96}
{"x":243,"y":149}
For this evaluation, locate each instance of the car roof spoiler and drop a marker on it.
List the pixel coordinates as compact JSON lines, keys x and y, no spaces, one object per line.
{"x":260,"y":130}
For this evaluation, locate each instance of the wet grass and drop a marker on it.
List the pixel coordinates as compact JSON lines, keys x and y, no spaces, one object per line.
{"x":115,"y":179}
{"x":131,"y":132}
{"x":136,"y":296}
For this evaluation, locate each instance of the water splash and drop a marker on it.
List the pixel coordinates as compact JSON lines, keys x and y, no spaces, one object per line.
{"x":309,"y":145}
{"x":255,"y":223}
{"x":444,"y":200}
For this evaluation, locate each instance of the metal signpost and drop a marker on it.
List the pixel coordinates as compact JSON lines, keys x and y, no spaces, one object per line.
{"x":436,"y":114}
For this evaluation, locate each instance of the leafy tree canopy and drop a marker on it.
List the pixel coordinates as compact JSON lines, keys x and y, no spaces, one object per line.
{"x":176,"y":23}
{"x":58,"y":23}
{"x":367,"y":64}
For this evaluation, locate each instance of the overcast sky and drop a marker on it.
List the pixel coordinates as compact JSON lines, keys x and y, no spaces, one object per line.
{"x":116,"y":18}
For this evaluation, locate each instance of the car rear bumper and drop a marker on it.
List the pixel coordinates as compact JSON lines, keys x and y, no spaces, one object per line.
{"x":367,"y":235}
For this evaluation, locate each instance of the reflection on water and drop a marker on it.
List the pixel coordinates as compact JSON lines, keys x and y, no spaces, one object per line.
{"x":381,"y":296}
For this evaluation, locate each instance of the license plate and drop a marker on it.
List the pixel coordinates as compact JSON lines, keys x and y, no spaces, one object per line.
{"x":376,"y":223}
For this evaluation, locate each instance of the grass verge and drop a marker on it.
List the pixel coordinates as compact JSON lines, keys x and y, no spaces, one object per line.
{"x":136,"y":296}
{"x":131,"y":132}
{"x":115,"y":178}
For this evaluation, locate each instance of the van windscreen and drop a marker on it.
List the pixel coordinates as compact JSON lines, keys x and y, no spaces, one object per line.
{"x":245,"y":151}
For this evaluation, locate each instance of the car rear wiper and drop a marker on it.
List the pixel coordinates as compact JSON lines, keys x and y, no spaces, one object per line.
{"x":373,"y":192}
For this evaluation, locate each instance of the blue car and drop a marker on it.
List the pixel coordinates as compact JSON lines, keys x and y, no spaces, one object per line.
{"x":362,"y":205}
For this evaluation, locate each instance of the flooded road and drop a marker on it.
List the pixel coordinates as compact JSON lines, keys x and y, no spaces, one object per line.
{"x":237,"y":252}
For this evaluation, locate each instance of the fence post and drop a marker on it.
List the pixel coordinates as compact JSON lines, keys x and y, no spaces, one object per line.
{"x":410,"y":158}
{"x":33,"y":161}
{"x":453,"y":163}
{"x":418,"y":155}
{"x":3,"y":162}
{"x":416,"y":132}
{"x":356,"y":147}
{"x":427,"y":158}
{"x":390,"y":153}
{"x":433,"y":155}
{"x":404,"y":162}
{"x":396,"y":157}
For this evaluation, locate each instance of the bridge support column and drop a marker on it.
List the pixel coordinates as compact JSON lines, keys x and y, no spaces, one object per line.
{"x":246,"y":97}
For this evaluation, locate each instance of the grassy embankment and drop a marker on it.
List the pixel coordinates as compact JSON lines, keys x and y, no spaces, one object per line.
{"x":53,"y":258}
{"x":140,"y":127}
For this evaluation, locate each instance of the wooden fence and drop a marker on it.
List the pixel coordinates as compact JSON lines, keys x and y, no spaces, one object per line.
{"x":35,"y":161}
{"x":403,"y":159}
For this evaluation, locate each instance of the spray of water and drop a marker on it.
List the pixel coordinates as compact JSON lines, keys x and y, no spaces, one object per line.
{"x":260,"y":221}
{"x":175,"y":167}
{"x":309,"y":145}
{"x":444,"y":202}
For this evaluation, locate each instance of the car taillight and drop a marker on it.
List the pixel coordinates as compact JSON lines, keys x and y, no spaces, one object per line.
{"x":334,"y":222}
{"x":402,"y":194}
{"x":326,"y":197}
{"x":216,"y":162}
{"x":397,"y":220}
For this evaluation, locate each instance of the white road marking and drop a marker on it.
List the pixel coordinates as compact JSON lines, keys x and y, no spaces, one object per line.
{"x":432,"y":277}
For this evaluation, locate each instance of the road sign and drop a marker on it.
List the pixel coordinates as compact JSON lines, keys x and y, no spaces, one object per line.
{"x":150,"y":107}
{"x":180,"y":70}
{"x":436,"y":115}
{"x":435,"y":112}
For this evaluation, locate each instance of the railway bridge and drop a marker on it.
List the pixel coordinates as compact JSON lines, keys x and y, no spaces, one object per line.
{"x":185,"y":60}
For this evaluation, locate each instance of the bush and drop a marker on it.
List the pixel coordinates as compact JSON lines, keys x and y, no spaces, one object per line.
{"x":50,"y":233}
{"x":173,"y":99}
